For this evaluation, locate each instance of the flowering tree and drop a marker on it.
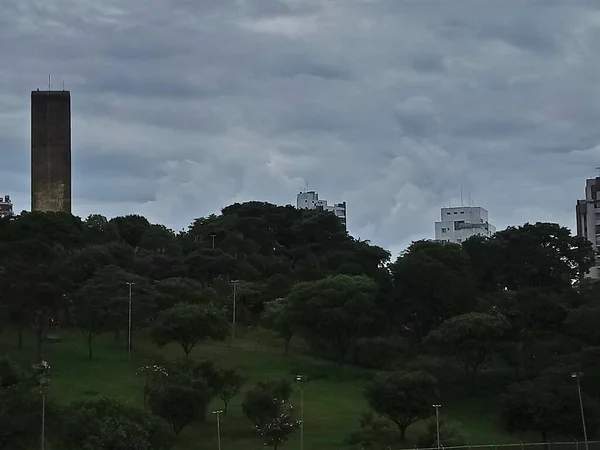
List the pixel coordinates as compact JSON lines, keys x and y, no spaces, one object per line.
{"x":153,"y":375}
{"x":276,"y":430}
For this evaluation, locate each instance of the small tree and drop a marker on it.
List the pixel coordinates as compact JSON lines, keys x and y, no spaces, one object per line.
{"x":402,"y":397}
{"x":471,"y":338}
{"x":231,"y":383}
{"x":549,"y":406}
{"x":91,"y":312}
{"x":450,"y":435}
{"x":106,"y":423}
{"x":259,"y":406}
{"x":153,"y":375}
{"x":277,"y":318}
{"x":374,"y":432}
{"x":188,"y":325}
{"x":276,"y":430}
{"x":179,"y":405}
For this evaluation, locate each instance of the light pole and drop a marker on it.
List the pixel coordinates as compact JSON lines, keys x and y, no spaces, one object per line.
{"x":129,"y":325}
{"x":300,"y":380}
{"x":577,"y":376}
{"x":213,"y":240}
{"x":218,"y":413}
{"x":43,"y":370}
{"x":437,"y":422}
{"x":234,"y":282}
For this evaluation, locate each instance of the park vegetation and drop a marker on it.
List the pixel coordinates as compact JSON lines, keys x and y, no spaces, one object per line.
{"x":511,"y":316}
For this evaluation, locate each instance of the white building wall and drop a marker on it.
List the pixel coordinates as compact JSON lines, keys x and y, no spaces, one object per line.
{"x":310,"y":200}
{"x":460,"y":223}
{"x":588,"y":219}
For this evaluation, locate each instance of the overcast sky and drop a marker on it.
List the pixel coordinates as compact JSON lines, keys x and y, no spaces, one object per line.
{"x":182,"y":107}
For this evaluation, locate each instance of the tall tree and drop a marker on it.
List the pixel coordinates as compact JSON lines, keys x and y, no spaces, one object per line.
{"x":471,"y":338}
{"x":131,"y":228}
{"x":335,"y":311}
{"x":533,"y":255}
{"x":432,"y":282}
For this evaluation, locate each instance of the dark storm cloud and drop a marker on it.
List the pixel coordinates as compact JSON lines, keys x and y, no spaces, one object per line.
{"x":181,"y":107}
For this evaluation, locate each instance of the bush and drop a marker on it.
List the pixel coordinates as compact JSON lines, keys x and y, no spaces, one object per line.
{"x":263,"y":401}
{"x":106,"y":423}
{"x":450,"y":435}
{"x":375,"y":433}
{"x":380,"y":352}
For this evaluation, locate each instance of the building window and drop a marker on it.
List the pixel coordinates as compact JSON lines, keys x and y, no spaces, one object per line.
{"x":455,"y":212}
{"x":462,"y":212}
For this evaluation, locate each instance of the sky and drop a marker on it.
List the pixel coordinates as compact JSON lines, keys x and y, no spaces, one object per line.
{"x":182,"y":107}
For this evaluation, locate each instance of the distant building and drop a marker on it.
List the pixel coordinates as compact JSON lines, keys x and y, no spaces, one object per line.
{"x":6,"y":206}
{"x":51,"y":151}
{"x":588,"y":218}
{"x":310,"y":200}
{"x":460,"y":223}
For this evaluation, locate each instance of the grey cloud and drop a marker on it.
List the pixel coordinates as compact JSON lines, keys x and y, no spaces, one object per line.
{"x":182,"y":107}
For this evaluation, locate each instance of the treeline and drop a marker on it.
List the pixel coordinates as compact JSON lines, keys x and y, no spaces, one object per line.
{"x":440,"y":317}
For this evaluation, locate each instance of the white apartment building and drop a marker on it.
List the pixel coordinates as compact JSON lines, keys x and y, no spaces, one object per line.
{"x":310,"y":200}
{"x":460,"y":223}
{"x":588,"y":218}
{"x":6,"y":206}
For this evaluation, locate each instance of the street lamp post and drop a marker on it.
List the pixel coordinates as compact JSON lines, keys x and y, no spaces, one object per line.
{"x":300,"y":380}
{"x":234,"y":282}
{"x":437,"y":422}
{"x":213,"y":240}
{"x":43,"y":370}
{"x":129,"y":325}
{"x":577,"y":376}
{"x":218,"y":413}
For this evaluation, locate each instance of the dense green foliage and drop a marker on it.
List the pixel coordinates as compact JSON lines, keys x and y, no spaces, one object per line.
{"x":434,"y":321}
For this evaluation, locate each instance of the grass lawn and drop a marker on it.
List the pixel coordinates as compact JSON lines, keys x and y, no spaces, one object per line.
{"x":333,"y":399}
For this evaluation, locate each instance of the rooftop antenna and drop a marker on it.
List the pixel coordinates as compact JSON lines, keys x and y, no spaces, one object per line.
{"x":470,"y":204}
{"x":63,"y":85}
{"x":461,"y":196}
{"x":49,"y":82}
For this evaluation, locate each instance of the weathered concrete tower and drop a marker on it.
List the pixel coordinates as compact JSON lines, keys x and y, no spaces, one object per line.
{"x":51,"y":151}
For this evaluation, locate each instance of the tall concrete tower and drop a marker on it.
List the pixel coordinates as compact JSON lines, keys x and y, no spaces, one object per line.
{"x":51,"y":151}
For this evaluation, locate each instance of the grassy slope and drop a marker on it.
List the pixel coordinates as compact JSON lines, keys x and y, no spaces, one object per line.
{"x":333,"y":399}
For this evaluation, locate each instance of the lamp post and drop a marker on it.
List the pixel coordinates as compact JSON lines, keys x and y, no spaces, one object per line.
{"x":234,"y":282}
{"x":129,"y":325}
{"x":577,"y":376}
{"x":218,"y":413}
{"x":213,"y":240}
{"x":43,"y":370}
{"x":437,"y":422}
{"x":300,"y":380}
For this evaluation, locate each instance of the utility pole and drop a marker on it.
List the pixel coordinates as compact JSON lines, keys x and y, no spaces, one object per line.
{"x":437,"y":421}
{"x":577,"y":376}
{"x":218,"y":414}
{"x":129,"y":325}
{"x":300,"y":380}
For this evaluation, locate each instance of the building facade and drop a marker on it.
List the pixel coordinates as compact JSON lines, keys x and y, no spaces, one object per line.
{"x":6,"y":206}
{"x":460,"y":223}
{"x":51,"y":151}
{"x":588,"y":218}
{"x":310,"y":200}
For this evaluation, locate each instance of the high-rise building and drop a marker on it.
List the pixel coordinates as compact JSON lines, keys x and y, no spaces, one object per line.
{"x":6,"y":206}
{"x":51,"y":151}
{"x":310,"y":200}
{"x":460,"y":223}
{"x":588,"y":218}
